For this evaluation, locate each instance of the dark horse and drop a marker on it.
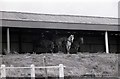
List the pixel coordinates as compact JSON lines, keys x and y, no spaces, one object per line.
{"x":76,"y":44}
{"x":60,"y":44}
{"x":45,"y":46}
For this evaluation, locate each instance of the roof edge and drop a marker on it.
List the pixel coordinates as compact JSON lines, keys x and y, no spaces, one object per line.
{"x":59,"y":14}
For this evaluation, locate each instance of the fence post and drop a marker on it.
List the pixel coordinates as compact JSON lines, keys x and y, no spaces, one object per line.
{"x":44,"y":64}
{"x":3,"y":71}
{"x":32,"y":71}
{"x":61,"y":71}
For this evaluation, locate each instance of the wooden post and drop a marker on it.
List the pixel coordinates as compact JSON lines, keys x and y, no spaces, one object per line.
{"x":106,"y":42}
{"x":8,"y":40}
{"x":61,"y":71}
{"x":3,"y":71}
{"x":44,"y":64}
{"x":32,"y":71}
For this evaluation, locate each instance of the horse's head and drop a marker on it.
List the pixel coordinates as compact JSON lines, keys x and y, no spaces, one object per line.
{"x":71,"y":38}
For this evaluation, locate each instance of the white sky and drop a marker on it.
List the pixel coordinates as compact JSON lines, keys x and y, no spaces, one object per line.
{"x":103,"y":8}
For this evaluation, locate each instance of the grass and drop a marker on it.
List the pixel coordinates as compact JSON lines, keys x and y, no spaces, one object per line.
{"x":76,"y":64}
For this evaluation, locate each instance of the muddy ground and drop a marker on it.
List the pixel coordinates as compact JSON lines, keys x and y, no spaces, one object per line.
{"x":76,"y":64}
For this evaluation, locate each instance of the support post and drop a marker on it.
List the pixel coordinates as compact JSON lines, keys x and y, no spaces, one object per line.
{"x":3,"y":71}
{"x":8,"y":40}
{"x":19,"y":34}
{"x":61,"y":71}
{"x":106,"y":42}
{"x":32,"y":71}
{"x":44,"y":64}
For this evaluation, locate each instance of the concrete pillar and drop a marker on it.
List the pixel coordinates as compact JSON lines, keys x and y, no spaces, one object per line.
{"x":8,"y":40}
{"x":3,"y":71}
{"x":61,"y":71}
{"x":106,"y":42}
{"x":32,"y":71}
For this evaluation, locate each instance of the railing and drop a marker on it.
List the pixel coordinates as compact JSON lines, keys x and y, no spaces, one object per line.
{"x":32,"y":67}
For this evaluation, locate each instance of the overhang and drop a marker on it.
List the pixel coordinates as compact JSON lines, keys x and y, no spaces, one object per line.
{"x":32,"y":20}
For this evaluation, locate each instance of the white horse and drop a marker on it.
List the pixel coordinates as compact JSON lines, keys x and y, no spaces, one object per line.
{"x":69,"y":42}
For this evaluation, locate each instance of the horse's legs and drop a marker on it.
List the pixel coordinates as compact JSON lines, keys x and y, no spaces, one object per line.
{"x":51,"y":51}
{"x":58,"y":48}
{"x":76,"y":49}
{"x":68,"y":49}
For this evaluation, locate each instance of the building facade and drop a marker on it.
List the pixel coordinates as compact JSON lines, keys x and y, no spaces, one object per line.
{"x":21,"y":32}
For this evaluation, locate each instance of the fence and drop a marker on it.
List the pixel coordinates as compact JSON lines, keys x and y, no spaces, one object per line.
{"x":32,"y":67}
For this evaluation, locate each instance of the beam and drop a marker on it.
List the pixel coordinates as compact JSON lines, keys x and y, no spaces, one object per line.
{"x":106,"y":42}
{"x":8,"y":40}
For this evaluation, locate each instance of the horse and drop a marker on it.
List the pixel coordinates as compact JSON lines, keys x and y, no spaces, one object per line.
{"x":45,"y":45}
{"x":60,"y":43}
{"x":64,"y":43}
{"x":69,"y":42}
{"x":76,"y":44}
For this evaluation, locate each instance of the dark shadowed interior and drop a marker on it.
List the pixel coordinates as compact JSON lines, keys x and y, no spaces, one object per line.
{"x":27,"y":40}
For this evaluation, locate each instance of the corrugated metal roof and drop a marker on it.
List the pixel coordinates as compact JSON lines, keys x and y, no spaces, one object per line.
{"x":58,"y":18}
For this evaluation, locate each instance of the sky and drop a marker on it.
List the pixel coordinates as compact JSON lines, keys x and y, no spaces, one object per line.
{"x":102,"y":8}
